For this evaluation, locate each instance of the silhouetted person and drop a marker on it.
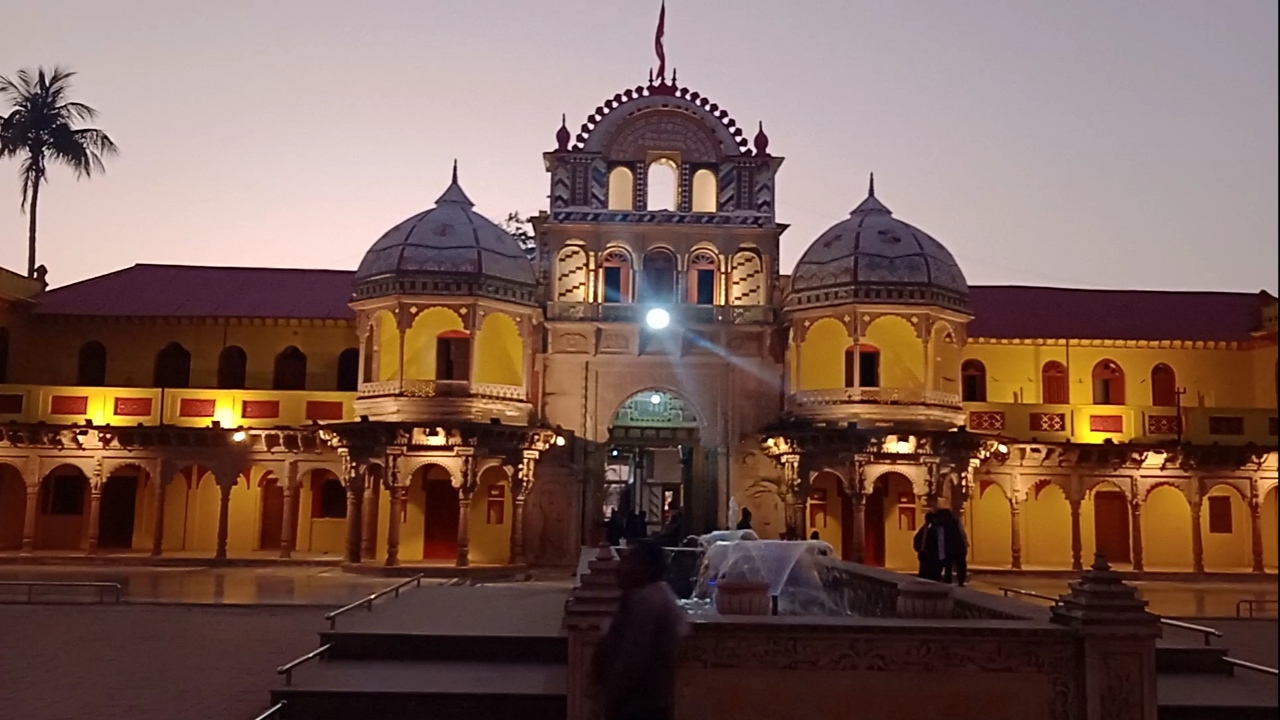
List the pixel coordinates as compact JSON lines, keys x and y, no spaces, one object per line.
{"x":928,"y":548}
{"x":814,"y":535}
{"x":674,"y":529}
{"x":956,"y":550}
{"x":744,"y":523}
{"x":635,"y":663}
{"x":638,"y":526}
{"x":615,"y":528}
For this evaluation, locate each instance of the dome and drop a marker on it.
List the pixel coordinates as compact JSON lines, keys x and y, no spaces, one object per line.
{"x":447,"y":250}
{"x":874,"y":257}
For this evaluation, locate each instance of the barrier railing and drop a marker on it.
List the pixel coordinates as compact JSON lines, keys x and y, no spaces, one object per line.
{"x":1252,"y":666}
{"x":1254,"y":606}
{"x":101,"y":587}
{"x":1206,"y":632}
{"x":273,"y":711}
{"x":287,"y":670}
{"x":368,"y":601}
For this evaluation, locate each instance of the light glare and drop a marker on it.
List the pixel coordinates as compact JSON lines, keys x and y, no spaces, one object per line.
{"x":657,"y":318}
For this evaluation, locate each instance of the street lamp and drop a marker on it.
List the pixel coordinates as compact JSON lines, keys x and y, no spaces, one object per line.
{"x":657,"y":318}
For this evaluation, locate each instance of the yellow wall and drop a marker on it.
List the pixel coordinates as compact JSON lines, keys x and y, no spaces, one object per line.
{"x":1166,"y":530}
{"x":822,"y":355}
{"x":1046,"y":529}
{"x":899,"y":553}
{"x":829,"y":533}
{"x":388,"y":346}
{"x":990,"y":528}
{"x":499,"y":351}
{"x":946,"y":359}
{"x":490,"y":544}
{"x":901,"y":353}
{"x":420,"y":341}
{"x":1231,"y":551}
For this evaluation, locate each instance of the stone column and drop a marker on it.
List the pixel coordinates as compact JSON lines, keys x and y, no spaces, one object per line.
{"x":1197,"y":536}
{"x":521,"y":486}
{"x":95,"y":511}
{"x":369,"y":518}
{"x":1255,"y":528}
{"x":354,"y":533}
{"x":464,"y":526}
{"x":859,"y":504}
{"x":394,"y":496}
{"x":1015,"y":534}
{"x":157,"y":538}
{"x":1135,"y":530}
{"x":288,"y":527}
{"x":1116,"y":636}
{"x":1077,"y":547}
{"x":224,"y":511}
{"x":29,"y":519}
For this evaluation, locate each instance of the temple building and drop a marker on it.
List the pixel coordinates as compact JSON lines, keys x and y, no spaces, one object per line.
{"x":461,"y":400}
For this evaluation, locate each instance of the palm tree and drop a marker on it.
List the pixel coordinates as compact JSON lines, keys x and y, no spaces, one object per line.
{"x":41,"y":129}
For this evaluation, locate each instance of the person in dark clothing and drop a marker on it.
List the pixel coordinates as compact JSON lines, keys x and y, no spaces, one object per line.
{"x":635,"y":662}
{"x":814,"y":535}
{"x":745,"y":522}
{"x":926,"y":546}
{"x":957,"y":548}
{"x":638,"y":526}
{"x":615,"y":528}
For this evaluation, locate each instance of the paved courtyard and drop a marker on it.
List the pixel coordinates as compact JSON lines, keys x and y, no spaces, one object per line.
{"x":1171,"y":599}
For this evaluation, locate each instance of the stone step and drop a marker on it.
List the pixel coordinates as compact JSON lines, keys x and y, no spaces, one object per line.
{"x":433,"y":647}
{"x":1191,"y":659}
{"x":1245,"y":696}
{"x":350,"y":690}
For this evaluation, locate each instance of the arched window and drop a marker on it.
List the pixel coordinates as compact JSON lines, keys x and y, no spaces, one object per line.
{"x":704,"y":191}
{"x":973,"y":381}
{"x":453,"y":355}
{"x":571,"y":275}
{"x":662,"y":185}
{"x":348,"y":370}
{"x":622,"y":189}
{"x":173,"y":367}
{"x":91,"y":371}
{"x":862,"y":366}
{"x":615,"y":277}
{"x":746,"y":279}
{"x":658,"y":283}
{"x":232,"y":368}
{"x":1108,"y":383}
{"x":1053,"y":384}
{"x":328,"y":497}
{"x":291,"y":370}
{"x":1164,"y":386}
{"x":704,"y":275}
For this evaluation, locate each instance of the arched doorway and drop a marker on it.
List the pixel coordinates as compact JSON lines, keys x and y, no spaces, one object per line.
{"x":118,"y":512}
{"x":655,"y":464}
{"x":271,"y":529}
{"x":489,"y":519}
{"x":1110,"y":509}
{"x":991,"y":527}
{"x":322,"y":502}
{"x":1046,"y":527}
{"x":63,"y":512}
{"x":432,"y":513}
{"x":891,"y":522}
{"x":826,"y":511}
{"x":1166,"y":530}
{"x":13,"y":507}
{"x":1225,"y":529}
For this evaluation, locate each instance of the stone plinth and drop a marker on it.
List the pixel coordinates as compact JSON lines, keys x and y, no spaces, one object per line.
{"x":592,"y":603}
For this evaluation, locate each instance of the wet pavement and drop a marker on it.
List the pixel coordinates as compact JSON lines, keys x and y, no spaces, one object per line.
{"x":197,"y":585}
{"x":1171,"y":599}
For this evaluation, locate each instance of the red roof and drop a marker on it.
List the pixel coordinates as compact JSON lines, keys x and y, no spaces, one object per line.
{"x":194,"y":291}
{"x":1000,"y":311}
{"x":1010,"y":311}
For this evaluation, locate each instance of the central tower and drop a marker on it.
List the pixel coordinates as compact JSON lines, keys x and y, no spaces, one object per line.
{"x":661,"y":209}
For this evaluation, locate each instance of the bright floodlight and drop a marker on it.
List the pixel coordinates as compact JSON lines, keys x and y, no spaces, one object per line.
{"x":656,"y":399}
{"x":657,"y":318}
{"x":239,"y":436}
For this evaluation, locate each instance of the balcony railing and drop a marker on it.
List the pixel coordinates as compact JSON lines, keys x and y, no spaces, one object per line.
{"x":1124,"y":423}
{"x":808,"y":399}
{"x":184,"y":407}
{"x":442,"y":389}
{"x":681,"y":314}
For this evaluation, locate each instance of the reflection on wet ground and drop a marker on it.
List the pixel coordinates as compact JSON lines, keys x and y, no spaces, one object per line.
{"x":198,"y":585}
{"x":1172,"y":599}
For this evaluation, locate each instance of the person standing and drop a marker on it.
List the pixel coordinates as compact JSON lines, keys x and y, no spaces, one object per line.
{"x":635,"y":662}
{"x":744,"y":523}
{"x":957,"y":548}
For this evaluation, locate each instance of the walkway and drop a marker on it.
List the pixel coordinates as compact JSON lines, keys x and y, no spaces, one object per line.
{"x":1171,"y":599}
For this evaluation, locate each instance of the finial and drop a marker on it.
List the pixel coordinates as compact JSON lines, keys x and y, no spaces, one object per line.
{"x":871,"y":186}
{"x":673,"y":76}
{"x":455,"y":171}
{"x":650,"y":76}
{"x":761,"y":141}
{"x":563,"y":136}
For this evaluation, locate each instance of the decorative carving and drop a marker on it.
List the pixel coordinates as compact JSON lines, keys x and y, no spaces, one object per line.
{"x":1121,"y":694}
{"x":573,"y":342}
{"x":664,"y":130}
{"x":610,"y":340}
{"x":1048,"y":422}
{"x":986,"y":420}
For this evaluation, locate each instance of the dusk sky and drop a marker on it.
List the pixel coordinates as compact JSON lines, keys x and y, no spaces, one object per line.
{"x":1115,"y":144}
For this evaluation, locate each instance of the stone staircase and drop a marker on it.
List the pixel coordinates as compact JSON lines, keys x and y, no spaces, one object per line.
{"x":1196,"y":682}
{"x":480,"y":653}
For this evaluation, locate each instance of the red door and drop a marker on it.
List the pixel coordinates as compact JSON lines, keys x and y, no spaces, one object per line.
{"x":874,"y":536}
{"x":1111,"y":525}
{"x":440,"y":531}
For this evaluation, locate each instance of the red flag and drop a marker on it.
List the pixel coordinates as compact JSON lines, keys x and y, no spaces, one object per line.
{"x":657,"y":42}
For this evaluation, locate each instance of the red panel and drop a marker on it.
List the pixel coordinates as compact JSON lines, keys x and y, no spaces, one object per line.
{"x":68,"y":405}
{"x":133,"y":407}
{"x":1106,"y":423}
{"x":986,"y":420}
{"x":196,"y":407}
{"x":324,"y":410}
{"x":1048,"y":422}
{"x":261,"y":409}
{"x":11,"y":404}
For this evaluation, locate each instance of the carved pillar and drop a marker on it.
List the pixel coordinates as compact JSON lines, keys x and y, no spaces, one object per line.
{"x":1135,"y":530}
{"x":1255,"y":528}
{"x":1197,"y":536}
{"x":288,"y":525}
{"x":157,"y":537}
{"x":464,"y":510}
{"x":1015,"y":532}
{"x":859,"y":504}
{"x":1077,"y":548}
{"x":395,"y":494}
{"x":224,"y":509}
{"x":520,"y":490}
{"x":793,"y":495}
{"x":354,"y":493}
{"x":29,"y":519}
{"x":95,"y":510}
{"x":369,"y":517}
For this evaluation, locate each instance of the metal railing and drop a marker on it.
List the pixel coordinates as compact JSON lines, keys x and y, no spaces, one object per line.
{"x":1206,"y":632}
{"x":287,"y":670}
{"x":1253,"y":606}
{"x":272,"y":711}
{"x":368,"y":601}
{"x":31,"y":585}
{"x":1252,"y":666}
